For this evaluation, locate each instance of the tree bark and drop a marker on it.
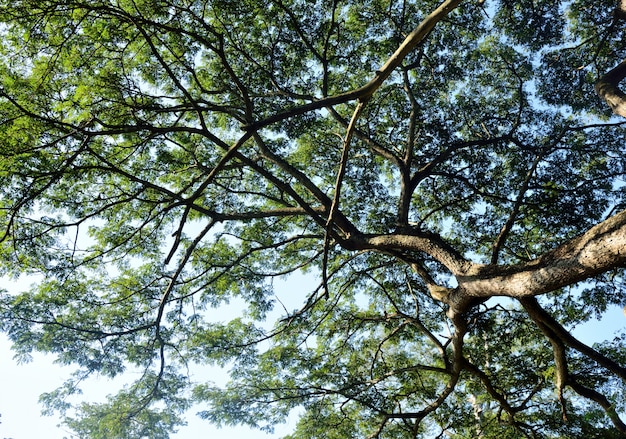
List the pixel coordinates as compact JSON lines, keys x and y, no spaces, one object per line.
{"x":607,"y":88}
{"x":602,"y":248}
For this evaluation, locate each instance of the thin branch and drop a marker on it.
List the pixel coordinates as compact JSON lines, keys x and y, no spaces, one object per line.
{"x":366,"y":91}
{"x":508,"y":225}
{"x":334,"y":207}
{"x":179,"y":270}
{"x":455,"y":372}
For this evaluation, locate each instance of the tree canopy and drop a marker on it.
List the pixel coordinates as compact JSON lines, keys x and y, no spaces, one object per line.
{"x":449,"y":175}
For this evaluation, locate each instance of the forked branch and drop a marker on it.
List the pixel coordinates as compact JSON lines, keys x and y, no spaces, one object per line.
{"x":365,"y":92}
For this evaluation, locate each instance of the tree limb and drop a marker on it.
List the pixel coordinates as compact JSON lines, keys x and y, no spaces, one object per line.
{"x":563,"y":377}
{"x":534,"y":309}
{"x":600,"y":249}
{"x":602,"y":401}
{"x":367,"y":90}
{"x":607,"y":88}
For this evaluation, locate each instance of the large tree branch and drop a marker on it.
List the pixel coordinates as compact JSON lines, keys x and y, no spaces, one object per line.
{"x":429,"y":243}
{"x":561,"y":369}
{"x":607,"y":88}
{"x":600,"y":249}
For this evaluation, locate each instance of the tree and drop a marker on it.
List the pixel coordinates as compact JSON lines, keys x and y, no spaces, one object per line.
{"x":445,"y":170}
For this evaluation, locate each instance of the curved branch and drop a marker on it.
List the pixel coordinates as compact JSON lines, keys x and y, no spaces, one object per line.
{"x":607,"y":86}
{"x":367,"y":90}
{"x":501,"y":398}
{"x":455,"y":370}
{"x":429,"y":243}
{"x":510,"y":222}
{"x":602,"y":401}
{"x":602,"y":248}
{"x":537,"y":312}
{"x":168,"y":291}
{"x":334,"y":207}
{"x":562,"y":376}
{"x":554,"y":332}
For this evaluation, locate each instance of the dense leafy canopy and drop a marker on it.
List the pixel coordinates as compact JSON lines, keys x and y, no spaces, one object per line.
{"x":159,"y":159}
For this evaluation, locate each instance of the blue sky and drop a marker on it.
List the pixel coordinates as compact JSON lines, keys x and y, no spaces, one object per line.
{"x":21,"y":414}
{"x":21,"y":384}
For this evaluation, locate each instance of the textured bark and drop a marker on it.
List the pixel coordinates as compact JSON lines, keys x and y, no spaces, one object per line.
{"x":600,"y":249}
{"x":607,"y":88}
{"x":431,"y":244}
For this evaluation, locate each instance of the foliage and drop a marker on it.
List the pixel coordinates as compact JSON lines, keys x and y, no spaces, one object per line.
{"x":161,"y":159}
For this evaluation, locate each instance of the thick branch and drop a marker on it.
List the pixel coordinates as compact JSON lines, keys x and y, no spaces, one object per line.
{"x":429,"y":243}
{"x":600,"y":249}
{"x":607,"y":88}
{"x":489,"y":387}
